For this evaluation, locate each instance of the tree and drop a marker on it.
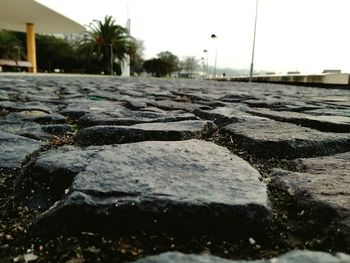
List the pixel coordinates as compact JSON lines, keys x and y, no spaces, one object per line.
{"x":189,"y":64}
{"x":156,"y":67}
{"x":171,"y":62}
{"x":106,"y":40}
{"x":54,"y":52}
{"x":165,"y":64}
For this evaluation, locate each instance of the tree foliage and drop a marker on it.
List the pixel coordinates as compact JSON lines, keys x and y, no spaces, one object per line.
{"x":171,"y":61}
{"x":56,"y":53}
{"x":189,"y":64}
{"x":105,"y":41}
{"x":10,"y":46}
{"x":165,"y":64}
{"x":156,"y":67}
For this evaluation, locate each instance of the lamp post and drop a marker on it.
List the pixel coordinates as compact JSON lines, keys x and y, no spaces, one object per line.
{"x":213,"y":36}
{"x":252,"y":63}
{"x":111,"y":46}
{"x":206,"y":62}
{"x":203,"y":65}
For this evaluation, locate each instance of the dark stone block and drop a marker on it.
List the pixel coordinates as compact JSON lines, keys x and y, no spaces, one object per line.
{"x":223,"y":115}
{"x":290,"y":257}
{"x":322,"y":184}
{"x":179,"y":187}
{"x":14,"y":149}
{"x":127,"y":117}
{"x":268,"y":139}
{"x":57,"y":129}
{"x":324,"y":123}
{"x":26,"y":129}
{"x":168,"y":131}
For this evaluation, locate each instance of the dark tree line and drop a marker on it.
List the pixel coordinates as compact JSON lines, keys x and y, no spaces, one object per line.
{"x":52,"y":52}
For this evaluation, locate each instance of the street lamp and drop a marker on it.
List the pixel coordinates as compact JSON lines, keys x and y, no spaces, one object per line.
{"x":252,"y":63}
{"x":213,"y":36}
{"x":203,"y":64}
{"x":206,"y":62}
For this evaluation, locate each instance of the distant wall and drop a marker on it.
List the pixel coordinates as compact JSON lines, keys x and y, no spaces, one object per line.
{"x":336,"y":79}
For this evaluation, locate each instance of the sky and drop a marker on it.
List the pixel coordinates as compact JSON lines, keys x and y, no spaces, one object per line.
{"x":291,"y":35}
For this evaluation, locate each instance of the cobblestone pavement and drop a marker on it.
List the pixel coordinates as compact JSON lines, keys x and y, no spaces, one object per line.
{"x":106,"y":169}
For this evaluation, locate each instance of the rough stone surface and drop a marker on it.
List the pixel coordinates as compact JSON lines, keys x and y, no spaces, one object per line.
{"x":26,"y":129}
{"x":291,"y":257}
{"x":36,"y":116}
{"x":57,"y":129}
{"x":186,"y":186}
{"x":35,"y":106}
{"x":223,"y":115}
{"x":323,"y":182}
{"x":14,"y":149}
{"x":163,"y":185}
{"x":172,"y":131}
{"x":329,"y":112}
{"x":77,"y":108}
{"x":34,"y":130}
{"x":128,"y":117}
{"x":4,"y":95}
{"x":321,"y":122}
{"x":280,"y":103}
{"x":266,"y":139}
{"x":45,"y":179}
{"x":178,"y":105}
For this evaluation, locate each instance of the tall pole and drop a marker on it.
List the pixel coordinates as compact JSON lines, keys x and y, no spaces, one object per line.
{"x":213,"y":36}
{"x":252,"y":63}
{"x":111,"y":46}
{"x":31,"y":47}
{"x":203,"y":65}
{"x":206,"y":62}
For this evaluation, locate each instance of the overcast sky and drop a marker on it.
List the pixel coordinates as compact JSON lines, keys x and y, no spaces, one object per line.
{"x":304,"y":35}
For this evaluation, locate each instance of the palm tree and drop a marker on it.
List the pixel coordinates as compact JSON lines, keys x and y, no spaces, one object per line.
{"x":106,"y":40}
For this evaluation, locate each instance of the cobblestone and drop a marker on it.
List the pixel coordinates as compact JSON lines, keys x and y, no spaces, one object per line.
{"x":143,"y":159}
